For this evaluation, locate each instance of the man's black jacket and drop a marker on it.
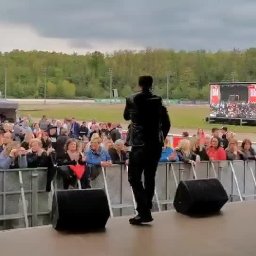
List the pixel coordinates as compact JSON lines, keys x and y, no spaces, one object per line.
{"x":150,"y":122}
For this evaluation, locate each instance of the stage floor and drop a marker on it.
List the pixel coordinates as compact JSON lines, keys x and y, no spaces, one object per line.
{"x":231,"y":233}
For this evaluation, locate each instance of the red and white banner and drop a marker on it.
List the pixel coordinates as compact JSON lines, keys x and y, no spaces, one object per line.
{"x":252,"y":93}
{"x":215,"y":94}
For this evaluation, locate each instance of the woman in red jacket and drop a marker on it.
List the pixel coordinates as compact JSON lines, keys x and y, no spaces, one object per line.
{"x":215,"y":151}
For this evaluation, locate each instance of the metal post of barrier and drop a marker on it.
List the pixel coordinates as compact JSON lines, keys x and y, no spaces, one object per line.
{"x":34,"y":182}
{"x":121,"y":188}
{"x":244,"y":179}
{"x":166,"y":182}
{"x":232,"y":186}
{"x":157,"y":201}
{"x":194,"y":171}
{"x":52,"y":188}
{"x":214,"y":171}
{"x":235,"y":179}
{"x":253,"y":174}
{"x":207,"y":172}
{"x":174,"y":175}
{"x":253,"y":177}
{"x":24,"y":205}
{"x":4,"y":195}
{"x":79,"y":184}
{"x":133,"y":197}
{"x":107,"y":192}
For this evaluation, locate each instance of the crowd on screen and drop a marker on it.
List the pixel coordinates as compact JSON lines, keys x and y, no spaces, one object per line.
{"x":78,"y":150}
{"x":234,"y":110}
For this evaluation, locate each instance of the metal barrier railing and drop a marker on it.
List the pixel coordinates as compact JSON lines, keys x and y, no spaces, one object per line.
{"x":238,"y":178}
{"x":119,"y":194}
{"x":23,"y":197}
{"x":232,"y":176}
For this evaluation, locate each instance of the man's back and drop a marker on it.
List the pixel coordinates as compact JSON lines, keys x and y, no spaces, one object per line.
{"x":145,"y":110}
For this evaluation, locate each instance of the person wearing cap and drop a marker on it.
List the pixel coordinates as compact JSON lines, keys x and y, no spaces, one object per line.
{"x":149,"y":127}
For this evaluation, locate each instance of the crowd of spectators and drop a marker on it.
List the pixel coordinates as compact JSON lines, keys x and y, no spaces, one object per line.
{"x":78,"y":150}
{"x":220,"y":145}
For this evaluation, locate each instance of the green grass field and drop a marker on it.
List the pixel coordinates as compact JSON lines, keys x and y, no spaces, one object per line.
{"x":184,"y":117}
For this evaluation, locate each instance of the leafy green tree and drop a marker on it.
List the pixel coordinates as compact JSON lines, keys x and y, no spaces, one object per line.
{"x":94,"y":90}
{"x":193,"y":93}
{"x":51,"y":90}
{"x":204,"y":92}
{"x":68,"y":89}
{"x":178,"y":93}
{"x":125,"y":91}
{"x":88,"y":75}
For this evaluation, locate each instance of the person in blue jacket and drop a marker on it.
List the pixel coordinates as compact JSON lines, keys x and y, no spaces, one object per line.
{"x":168,"y":154}
{"x":96,"y":157}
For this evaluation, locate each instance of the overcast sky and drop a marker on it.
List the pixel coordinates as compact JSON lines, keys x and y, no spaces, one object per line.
{"x":108,"y":25}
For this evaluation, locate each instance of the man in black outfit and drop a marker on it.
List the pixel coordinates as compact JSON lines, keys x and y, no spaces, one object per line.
{"x":149,"y":126}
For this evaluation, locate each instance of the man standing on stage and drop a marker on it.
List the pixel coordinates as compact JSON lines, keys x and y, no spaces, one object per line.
{"x":149,"y":126}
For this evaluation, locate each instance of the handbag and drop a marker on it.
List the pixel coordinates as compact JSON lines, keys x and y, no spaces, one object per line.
{"x":78,"y":170}
{"x":65,"y":172}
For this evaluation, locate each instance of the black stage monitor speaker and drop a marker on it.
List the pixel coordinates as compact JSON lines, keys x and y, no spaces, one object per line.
{"x":200,"y":197}
{"x":80,"y":210}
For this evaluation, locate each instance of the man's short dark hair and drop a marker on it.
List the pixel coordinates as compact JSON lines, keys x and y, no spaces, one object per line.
{"x":145,"y":81}
{"x":224,"y":128}
{"x":215,"y":129}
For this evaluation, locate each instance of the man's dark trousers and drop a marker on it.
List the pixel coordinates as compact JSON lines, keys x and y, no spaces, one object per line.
{"x":143,"y":159}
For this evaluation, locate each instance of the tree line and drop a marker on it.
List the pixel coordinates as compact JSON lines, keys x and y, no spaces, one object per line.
{"x":177,"y":74}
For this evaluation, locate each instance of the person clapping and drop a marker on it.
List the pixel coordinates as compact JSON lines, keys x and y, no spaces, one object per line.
{"x":13,"y":156}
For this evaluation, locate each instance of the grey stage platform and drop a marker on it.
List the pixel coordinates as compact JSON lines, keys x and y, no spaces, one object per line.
{"x":231,"y":233}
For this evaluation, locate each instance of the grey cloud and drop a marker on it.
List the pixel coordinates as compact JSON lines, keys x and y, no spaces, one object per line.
{"x":80,"y":43}
{"x":183,"y":24}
